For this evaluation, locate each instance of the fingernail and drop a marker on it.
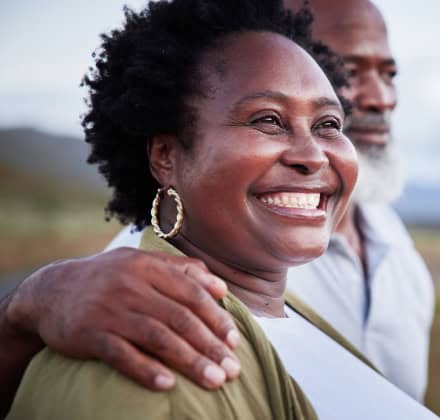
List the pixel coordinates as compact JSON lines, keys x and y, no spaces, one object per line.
{"x":233,"y":338}
{"x":221,"y":285}
{"x":163,"y":381}
{"x":214,"y":375}
{"x":231,"y":367}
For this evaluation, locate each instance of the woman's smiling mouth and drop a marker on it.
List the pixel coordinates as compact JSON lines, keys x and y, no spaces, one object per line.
{"x":305,"y":205}
{"x":292,"y":200}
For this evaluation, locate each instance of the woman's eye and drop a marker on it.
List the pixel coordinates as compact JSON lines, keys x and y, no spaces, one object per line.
{"x":270,"y":124}
{"x":269,"y":119}
{"x":329,"y":128}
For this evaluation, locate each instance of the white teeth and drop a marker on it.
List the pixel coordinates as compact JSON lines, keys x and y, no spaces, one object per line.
{"x":293,"y":200}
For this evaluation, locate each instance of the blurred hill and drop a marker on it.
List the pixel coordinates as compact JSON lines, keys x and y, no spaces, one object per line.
{"x":51,"y":203}
{"x":54,"y":158}
{"x":420,"y":204}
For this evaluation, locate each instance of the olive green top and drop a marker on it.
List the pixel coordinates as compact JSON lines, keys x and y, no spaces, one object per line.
{"x":59,"y":388}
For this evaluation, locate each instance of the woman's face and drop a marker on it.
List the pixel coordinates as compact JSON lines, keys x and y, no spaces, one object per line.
{"x":270,"y":172}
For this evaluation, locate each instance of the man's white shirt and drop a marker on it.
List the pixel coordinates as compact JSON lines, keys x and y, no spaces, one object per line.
{"x":338,"y":384}
{"x":388,"y":317}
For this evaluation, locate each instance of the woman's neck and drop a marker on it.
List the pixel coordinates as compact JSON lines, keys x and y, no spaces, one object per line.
{"x":262,"y":292}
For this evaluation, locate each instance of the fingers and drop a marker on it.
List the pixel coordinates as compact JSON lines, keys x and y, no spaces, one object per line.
{"x":157,"y":339}
{"x":199,"y":302}
{"x":183,"y":322}
{"x":116,"y":304}
{"x":198,"y":271}
{"x":195,"y":269}
{"x":128,"y":360}
{"x":185,"y":284}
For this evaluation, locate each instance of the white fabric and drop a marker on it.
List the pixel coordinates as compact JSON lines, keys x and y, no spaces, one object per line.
{"x":349,"y":389}
{"x":126,"y":237}
{"x":388,"y":321}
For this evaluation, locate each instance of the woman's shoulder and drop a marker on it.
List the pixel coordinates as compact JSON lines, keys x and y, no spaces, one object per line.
{"x":57,"y":387}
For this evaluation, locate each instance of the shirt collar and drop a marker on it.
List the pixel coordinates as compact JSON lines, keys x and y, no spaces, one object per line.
{"x":377,"y":244}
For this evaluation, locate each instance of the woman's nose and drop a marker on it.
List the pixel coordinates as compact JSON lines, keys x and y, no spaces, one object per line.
{"x":306,"y":156}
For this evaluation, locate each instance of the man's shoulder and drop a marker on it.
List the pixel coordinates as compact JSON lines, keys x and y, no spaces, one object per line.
{"x":388,"y":226}
{"x":403,"y":261}
{"x":386,"y":223}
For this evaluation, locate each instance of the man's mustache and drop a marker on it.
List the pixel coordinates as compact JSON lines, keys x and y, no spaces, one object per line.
{"x":369,"y":122}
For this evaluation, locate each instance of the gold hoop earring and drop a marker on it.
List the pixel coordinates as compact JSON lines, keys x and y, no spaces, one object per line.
{"x":155,"y":210}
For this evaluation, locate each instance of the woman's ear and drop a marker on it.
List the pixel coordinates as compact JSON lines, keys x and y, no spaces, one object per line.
{"x":161,"y":152}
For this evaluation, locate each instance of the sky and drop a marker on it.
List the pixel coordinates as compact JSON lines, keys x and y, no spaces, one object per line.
{"x":46,"y":47}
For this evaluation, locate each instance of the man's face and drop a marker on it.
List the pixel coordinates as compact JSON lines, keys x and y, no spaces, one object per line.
{"x":355,"y":30}
{"x":360,"y":37}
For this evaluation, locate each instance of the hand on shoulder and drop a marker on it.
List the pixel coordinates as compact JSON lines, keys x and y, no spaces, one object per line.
{"x":137,"y":311}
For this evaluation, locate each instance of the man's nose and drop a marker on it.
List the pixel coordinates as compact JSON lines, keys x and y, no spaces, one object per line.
{"x":376,"y":94}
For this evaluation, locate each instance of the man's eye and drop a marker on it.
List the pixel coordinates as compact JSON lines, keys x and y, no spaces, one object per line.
{"x":352,"y":73}
{"x":389,"y":75}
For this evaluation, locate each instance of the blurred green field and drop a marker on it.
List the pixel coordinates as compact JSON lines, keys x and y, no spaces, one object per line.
{"x":433,"y":394}
{"x":41,"y":222}
{"x":427,"y":241}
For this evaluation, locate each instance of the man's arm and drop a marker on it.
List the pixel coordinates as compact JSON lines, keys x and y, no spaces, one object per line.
{"x":16,"y":350}
{"x":128,"y":308}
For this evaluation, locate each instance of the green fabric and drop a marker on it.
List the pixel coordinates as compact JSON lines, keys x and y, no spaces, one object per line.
{"x":59,"y":388}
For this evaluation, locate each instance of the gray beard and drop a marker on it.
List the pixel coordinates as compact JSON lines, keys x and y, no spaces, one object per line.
{"x":380,"y":178}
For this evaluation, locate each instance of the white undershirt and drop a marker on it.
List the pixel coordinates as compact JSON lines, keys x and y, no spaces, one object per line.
{"x":338,"y":384}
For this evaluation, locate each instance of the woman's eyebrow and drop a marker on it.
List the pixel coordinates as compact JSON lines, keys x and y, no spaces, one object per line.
{"x":317,"y":103}
{"x":324,"y":102}
{"x":266,"y":94}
